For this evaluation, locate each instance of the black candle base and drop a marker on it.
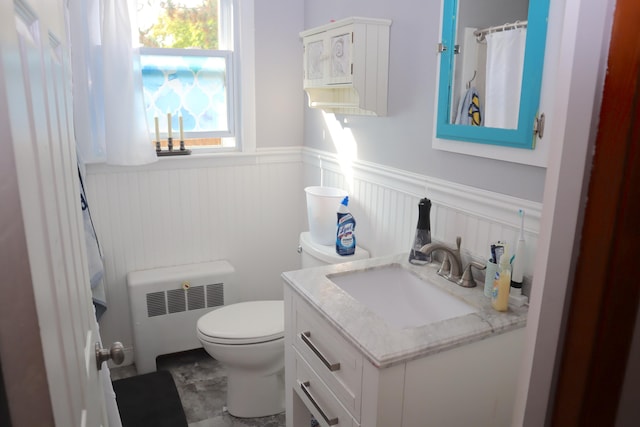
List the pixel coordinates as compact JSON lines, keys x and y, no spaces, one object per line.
{"x":173,"y":153}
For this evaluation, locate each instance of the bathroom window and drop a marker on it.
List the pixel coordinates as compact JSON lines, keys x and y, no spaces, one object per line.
{"x":187,"y":59}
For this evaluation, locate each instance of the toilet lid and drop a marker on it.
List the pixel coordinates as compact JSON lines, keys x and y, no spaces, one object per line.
{"x":244,"y":323}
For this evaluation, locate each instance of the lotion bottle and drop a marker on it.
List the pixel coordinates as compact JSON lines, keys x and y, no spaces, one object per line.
{"x":423,"y":233}
{"x":501,"y":285}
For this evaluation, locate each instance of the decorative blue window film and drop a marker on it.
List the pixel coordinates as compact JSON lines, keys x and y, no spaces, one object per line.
{"x":195,"y":87}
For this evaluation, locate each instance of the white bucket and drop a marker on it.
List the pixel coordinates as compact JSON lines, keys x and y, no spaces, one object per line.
{"x":322,"y":209}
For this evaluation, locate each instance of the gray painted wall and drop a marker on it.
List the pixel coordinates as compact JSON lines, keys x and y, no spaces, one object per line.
{"x":279,"y":94}
{"x":403,"y":138}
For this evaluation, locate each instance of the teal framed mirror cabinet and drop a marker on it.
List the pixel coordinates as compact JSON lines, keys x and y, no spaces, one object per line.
{"x":490,"y":75}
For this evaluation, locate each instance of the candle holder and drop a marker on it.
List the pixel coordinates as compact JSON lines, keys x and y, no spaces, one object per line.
{"x":170,"y":151}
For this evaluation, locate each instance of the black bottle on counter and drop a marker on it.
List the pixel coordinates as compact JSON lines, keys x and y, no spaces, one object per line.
{"x":423,"y":233}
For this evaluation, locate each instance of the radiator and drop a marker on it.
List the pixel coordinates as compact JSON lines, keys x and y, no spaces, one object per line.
{"x":166,"y":304}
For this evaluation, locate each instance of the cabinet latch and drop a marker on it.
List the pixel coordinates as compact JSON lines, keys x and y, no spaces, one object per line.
{"x":443,"y":48}
{"x":538,"y":126}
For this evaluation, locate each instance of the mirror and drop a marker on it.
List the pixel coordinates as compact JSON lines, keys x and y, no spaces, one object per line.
{"x":492,"y":54}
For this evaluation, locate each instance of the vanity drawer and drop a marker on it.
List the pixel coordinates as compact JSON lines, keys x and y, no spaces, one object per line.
{"x":331,"y":356}
{"x":317,"y":397}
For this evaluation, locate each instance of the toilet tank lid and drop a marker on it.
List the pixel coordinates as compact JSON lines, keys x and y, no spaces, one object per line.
{"x":327,"y":253}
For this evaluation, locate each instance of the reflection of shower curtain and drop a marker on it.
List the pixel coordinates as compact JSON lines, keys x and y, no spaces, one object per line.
{"x":505,"y":60}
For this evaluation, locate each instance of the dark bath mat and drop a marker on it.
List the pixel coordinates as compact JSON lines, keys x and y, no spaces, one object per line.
{"x":149,"y":400}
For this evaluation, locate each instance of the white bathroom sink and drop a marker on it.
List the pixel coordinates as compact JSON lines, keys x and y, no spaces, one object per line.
{"x":400,"y":297}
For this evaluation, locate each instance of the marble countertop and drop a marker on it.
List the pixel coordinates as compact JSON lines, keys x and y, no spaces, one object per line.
{"x":384,"y":345}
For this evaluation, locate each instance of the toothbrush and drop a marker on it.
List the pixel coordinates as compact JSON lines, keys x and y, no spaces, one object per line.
{"x":518,"y":264}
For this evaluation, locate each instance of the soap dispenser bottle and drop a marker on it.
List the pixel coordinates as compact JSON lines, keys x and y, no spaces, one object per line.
{"x":501,"y":285}
{"x":423,"y":233}
{"x":345,"y":237}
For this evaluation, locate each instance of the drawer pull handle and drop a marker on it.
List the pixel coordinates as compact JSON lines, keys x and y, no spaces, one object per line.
{"x":330,"y":366}
{"x":304,"y":386}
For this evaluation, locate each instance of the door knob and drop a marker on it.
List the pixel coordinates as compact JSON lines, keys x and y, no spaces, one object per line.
{"x":115,"y":353}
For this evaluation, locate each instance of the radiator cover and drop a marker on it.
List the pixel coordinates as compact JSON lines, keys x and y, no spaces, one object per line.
{"x":166,"y":304}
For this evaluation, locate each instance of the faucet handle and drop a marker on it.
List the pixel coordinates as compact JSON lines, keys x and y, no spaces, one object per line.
{"x":445,"y":267}
{"x":467,"y":280}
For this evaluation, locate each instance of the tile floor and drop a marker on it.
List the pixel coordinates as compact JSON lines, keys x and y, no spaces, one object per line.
{"x":202,"y":386}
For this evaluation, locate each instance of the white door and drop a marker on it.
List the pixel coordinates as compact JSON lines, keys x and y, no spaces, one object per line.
{"x":35,"y":81}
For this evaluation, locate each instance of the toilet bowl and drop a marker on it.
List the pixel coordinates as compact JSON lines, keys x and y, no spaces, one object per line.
{"x":247,"y":338}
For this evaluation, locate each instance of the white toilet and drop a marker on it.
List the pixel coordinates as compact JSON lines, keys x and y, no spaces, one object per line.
{"x":247,"y":338}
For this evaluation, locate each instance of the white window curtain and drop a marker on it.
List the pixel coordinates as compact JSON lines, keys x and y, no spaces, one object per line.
{"x":109,"y":115}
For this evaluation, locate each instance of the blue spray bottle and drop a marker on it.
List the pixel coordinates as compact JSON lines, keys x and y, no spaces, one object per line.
{"x":345,"y":237}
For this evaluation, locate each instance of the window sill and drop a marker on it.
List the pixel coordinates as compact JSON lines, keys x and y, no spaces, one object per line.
{"x":207,"y":158}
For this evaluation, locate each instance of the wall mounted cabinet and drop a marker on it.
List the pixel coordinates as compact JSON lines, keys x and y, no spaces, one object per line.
{"x":346,"y":66}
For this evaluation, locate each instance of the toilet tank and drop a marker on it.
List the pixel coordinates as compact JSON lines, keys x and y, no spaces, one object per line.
{"x":315,"y":255}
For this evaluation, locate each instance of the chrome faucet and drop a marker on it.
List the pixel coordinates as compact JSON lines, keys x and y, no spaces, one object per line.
{"x":451,"y":268}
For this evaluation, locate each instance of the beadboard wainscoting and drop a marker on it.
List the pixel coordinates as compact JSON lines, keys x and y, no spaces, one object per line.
{"x":245,"y":208}
{"x":249,"y":208}
{"x":384,"y":202}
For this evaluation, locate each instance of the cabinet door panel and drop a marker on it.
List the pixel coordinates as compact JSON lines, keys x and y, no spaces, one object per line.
{"x":315,"y":60}
{"x":340,"y":63}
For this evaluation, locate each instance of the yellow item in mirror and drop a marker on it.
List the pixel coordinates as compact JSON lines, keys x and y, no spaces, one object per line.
{"x":474,"y":111}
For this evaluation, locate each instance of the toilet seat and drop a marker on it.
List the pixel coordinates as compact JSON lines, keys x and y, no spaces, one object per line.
{"x":249,"y":322}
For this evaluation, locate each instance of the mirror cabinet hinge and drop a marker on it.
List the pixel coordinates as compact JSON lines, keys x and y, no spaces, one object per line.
{"x":538,"y":126}
{"x":456,"y":49}
{"x":441,"y":48}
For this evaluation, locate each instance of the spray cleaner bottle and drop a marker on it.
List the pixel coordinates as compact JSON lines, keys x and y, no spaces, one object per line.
{"x":345,"y":238}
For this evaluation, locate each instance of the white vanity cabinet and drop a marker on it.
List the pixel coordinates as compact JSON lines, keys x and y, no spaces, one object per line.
{"x":330,"y":377}
{"x":346,"y":66}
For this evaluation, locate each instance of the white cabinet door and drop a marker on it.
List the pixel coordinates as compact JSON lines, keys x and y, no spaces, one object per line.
{"x":340,"y":64}
{"x":328,"y":57}
{"x":36,"y":117}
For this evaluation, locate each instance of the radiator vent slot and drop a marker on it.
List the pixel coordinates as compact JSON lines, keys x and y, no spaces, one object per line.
{"x":195,"y":298}
{"x":156,"y":304}
{"x":215,"y":295}
{"x":179,"y":300}
{"x":176,"y":300}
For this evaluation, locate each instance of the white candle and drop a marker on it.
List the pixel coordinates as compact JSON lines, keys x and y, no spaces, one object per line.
{"x":169,"y":124}
{"x":157,"y":128}
{"x":181,"y":130}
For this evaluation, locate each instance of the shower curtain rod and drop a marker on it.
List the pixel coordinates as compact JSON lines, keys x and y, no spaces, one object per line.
{"x":481,"y":33}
